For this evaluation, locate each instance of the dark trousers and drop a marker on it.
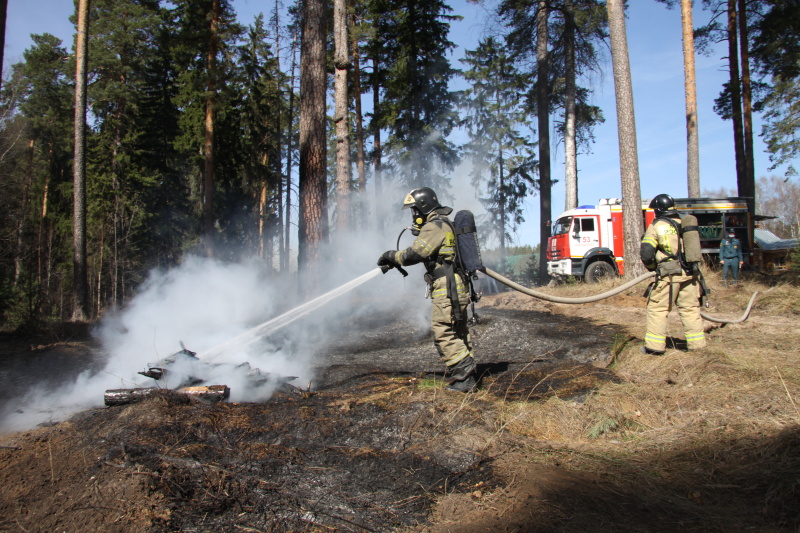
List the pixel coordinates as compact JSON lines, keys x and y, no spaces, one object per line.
{"x":731,"y":264}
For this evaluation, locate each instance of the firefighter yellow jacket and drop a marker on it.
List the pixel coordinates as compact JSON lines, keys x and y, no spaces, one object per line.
{"x":660,"y":244}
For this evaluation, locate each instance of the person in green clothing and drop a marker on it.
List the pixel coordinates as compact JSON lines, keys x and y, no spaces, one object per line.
{"x":730,"y":257}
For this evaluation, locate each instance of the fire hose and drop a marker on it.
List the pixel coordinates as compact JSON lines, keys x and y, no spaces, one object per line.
{"x":616,"y":290}
{"x":586,"y":299}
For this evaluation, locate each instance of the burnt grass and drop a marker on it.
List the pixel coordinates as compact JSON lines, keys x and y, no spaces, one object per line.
{"x":375,"y":444}
{"x":289,"y":465}
{"x":370,"y":446}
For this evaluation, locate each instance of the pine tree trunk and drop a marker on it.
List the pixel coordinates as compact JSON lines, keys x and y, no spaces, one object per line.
{"x":23,"y":216}
{"x":362,"y":175}
{"x":262,"y":214}
{"x":3,"y":12}
{"x":313,"y":222}
{"x":116,"y":278}
{"x":341,"y":63}
{"x":747,"y":123}
{"x":542,"y":104}
{"x":279,"y":143}
{"x":289,"y":157}
{"x":626,"y":127}
{"x":42,"y":230}
{"x":736,"y":100}
{"x":502,"y":214}
{"x":376,"y":143}
{"x":208,"y":149}
{"x":570,"y":95}
{"x":80,"y":280}
{"x":690,"y":88}
{"x":101,"y":249}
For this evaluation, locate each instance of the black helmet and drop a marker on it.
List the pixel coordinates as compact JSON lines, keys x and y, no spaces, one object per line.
{"x":662,"y":203}
{"x":423,"y":199}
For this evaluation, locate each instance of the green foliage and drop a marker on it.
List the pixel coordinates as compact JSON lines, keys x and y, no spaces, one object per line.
{"x":606,"y":425}
{"x":521,"y":262}
{"x":603,"y":426}
{"x":794,"y":260}
{"x":781,"y":129}
{"x":531,"y":273}
{"x":149,"y":82}
{"x":776,"y":45}
{"x":502,"y":157}
{"x":418,"y":109}
{"x":21,"y":303}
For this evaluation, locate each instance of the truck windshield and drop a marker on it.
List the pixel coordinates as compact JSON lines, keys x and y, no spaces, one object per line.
{"x":562,"y":225}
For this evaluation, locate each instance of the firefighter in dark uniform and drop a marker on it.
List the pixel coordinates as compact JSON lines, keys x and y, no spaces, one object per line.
{"x":730,"y":257}
{"x":435,"y":247}
{"x":659,"y":252}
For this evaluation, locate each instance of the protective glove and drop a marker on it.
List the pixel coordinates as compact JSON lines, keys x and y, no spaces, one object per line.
{"x":388,"y":259}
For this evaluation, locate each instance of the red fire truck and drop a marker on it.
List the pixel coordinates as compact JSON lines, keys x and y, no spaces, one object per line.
{"x":587,"y":242}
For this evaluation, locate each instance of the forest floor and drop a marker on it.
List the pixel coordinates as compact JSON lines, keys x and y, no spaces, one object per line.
{"x":573,"y":430}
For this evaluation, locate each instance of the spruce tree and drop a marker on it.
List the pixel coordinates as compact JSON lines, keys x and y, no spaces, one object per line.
{"x":501,"y":154}
{"x":418,"y":108}
{"x":205,"y":35}
{"x":260,"y":133}
{"x":37,"y":135}
{"x":776,"y":53}
{"x":121,"y":178}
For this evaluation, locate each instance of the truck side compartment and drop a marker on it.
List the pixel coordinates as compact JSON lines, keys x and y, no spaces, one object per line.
{"x":583,"y":236}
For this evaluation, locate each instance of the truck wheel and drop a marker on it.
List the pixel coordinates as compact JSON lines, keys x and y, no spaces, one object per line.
{"x":597,"y":271}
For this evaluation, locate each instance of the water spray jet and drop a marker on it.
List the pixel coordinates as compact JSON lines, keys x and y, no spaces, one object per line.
{"x":271,"y":326}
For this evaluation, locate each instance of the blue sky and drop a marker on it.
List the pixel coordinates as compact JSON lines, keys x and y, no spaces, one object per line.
{"x":656,"y":56}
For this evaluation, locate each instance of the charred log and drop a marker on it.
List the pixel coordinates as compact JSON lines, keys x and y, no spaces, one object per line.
{"x":208,"y":394}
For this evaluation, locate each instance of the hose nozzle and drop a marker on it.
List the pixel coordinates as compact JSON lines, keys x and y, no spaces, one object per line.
{"x":387,"y":268}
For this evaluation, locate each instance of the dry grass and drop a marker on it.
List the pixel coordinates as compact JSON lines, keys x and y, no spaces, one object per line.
{"x":701,"y":441}
{"x":705,"y":422}
{"x":747,"y":376}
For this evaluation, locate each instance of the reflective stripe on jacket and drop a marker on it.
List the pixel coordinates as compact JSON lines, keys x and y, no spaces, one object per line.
{"x":659,"y":243}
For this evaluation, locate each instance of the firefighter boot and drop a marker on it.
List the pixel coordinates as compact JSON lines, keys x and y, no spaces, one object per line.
{"x":463,"y":376}
{"x":648,"y":351}
{"x":465,"y":385}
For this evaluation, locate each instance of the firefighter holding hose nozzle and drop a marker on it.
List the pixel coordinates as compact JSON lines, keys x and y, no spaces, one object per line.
{"x":671,"y":248}
{"x":435,"y":247}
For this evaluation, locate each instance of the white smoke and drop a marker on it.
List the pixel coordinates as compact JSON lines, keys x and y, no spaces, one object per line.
{"x":206,"y":304}
{"x":226,"y":313}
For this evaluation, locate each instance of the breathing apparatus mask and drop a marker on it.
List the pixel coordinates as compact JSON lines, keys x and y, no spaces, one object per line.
{"x":418,"y":221}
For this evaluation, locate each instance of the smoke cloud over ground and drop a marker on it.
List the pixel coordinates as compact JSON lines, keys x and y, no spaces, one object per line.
{"x":232,"y":316}
{"x":239,"y":317}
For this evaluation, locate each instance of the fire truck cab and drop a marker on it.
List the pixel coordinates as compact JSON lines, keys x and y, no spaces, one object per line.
{"x":587,"y":242}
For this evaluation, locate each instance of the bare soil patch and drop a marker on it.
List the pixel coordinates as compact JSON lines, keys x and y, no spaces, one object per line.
{"x":573,"y":430}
